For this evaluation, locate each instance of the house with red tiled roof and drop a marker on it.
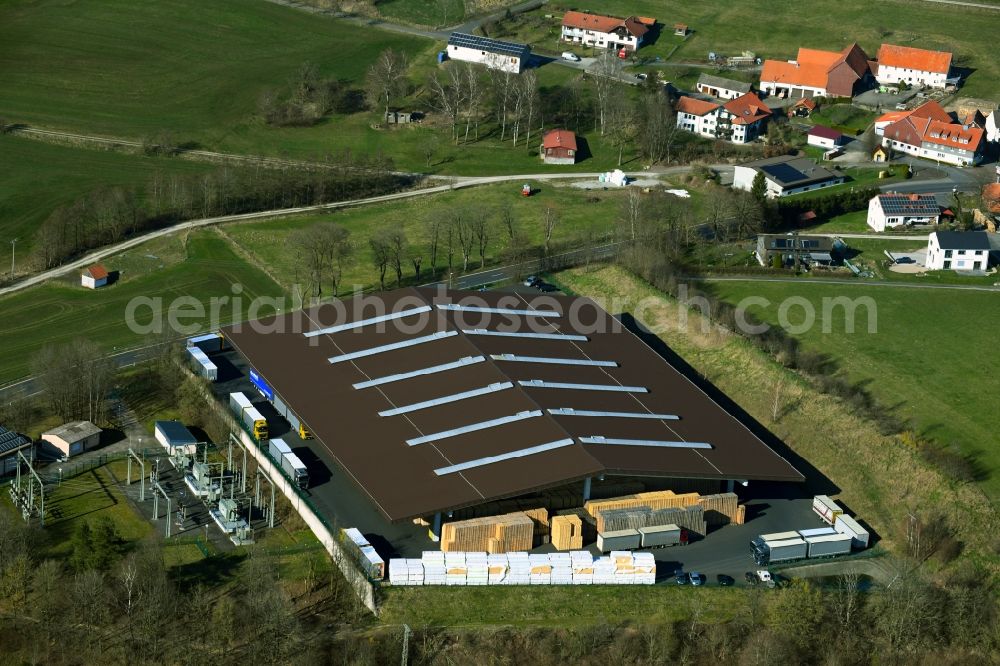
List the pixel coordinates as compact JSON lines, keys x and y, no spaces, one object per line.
{"x":936,"y":139}
{"x":916,"y":67}
{"x":605,"y":32}
{"x":816,"y":73}
{"x":94,"y":276}
{"x":559,"y":147}
{"x":930,"y":109}
{"x":739,"y":120}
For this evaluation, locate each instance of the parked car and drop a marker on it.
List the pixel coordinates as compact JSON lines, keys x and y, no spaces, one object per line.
{"x":642,"y":76}
{"x":680,"y":577}
{"x":531,"y":281}
{"x":569,"y":55}
{"x":724,"y":580}
{"x":697,"y":579}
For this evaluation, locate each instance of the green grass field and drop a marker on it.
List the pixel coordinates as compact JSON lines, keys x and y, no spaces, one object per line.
{"x":60,"y":311}
{"x":423,"y":12}
{"x":917,"y":363}
{"x":36,"y":178}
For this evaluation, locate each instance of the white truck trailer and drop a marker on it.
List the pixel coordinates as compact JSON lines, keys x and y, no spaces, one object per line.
{"x":847,"y":525}
{"x":829,"y":545}
{"x":767,"y":552}
{"x":662,"y":536}
{"x":290,"y":463}
{"x":618,"y":540}
{"x":826,"y":509}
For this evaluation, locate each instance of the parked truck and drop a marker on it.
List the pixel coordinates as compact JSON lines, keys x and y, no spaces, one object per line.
{"x":208,"y":343}
{"x":765,"y":552}
{"x":279,"y":405}
{"x":365,"y":553}
{"x":662,"y":535}
{"x":618,"y":540}
{"x":829,"y":545}
{"x":202,"y":365}
{"x":248,"y":415}
{"x":826,"y":509}
{"x":847,"y":525}
{"x":290,"y":463}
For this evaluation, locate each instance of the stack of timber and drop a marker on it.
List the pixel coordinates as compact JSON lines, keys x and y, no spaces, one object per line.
{"x":496,"y":534}
{"x":589,"y":524}
{"x":567,"y":532}
{"x":578,"y":567}
{"x":658,"y":499}
{"x":741,"y":515}
{"x":540,"y":518}
{"x":691,"y":518}
{"x":560,"y":498}
{"x":720,"y":509}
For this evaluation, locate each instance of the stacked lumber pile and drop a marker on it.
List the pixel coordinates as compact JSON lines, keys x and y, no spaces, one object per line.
{"x":658,"y":499}
{"x":589,"y":524}
{"x":741,"y":515}
{"x":567,"y":532}
{"x":720,"y":509}
{"x":476,"y":568}
{"x":540,"y":518}
{"x":692,"y":518}
{"x":553,"y":500}
{"x":496,"y":534}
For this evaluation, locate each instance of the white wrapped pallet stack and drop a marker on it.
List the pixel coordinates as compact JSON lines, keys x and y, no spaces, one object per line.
{"x":414,"y":572}
{"x":645,"y":568}
{"x":520,"y":569}
{"x":604,"y":571}
{"x":624,"y":567}
{"x":583,"y":567}
{"x":434,"y":568}
{"x":456,"y":572}
{"x":562,"y":568}
{"x":478,"y":569}
{"x":497,"y":569}
{"x":541,"y":569}
{"x":398,"y":574}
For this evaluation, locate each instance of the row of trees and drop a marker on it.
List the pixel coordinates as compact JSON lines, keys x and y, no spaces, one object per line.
{"x":308,"y":98}
{"x":111,"y":214}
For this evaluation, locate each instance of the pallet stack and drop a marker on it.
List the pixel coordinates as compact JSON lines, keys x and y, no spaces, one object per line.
{"x":540,"y":518}
{"x":720,"y":509}
{"x":741,"y":515}
{"x":567,"y":532}
{"x":496,"y":534}
{"x":691,"y":518}
{"x":520,"y":568}
{"x":659,"y":499}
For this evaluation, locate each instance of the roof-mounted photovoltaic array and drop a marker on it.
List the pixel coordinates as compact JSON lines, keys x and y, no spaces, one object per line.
{"x":482,"y":425}
{"x":350,"y":356}
{"x":569,"y":411}
{"x":518,"y":334}
{"x":476,"y":42}
{"x":538,"y":383}
{"x":365,"y":322}
{"x":597,"y":439}
{"x":388,"y":379}
{"x":520,"y":453}
{"x":553,"y":360}
{"x":453,"y":307}
{"x":455,"y":397}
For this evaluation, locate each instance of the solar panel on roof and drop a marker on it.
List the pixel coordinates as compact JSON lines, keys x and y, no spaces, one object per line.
{"x":553,"y":360}
{"x":520,"y":453}
{"x":517,"y":334}
{"x":388,"y":379}
{"x":473,"y":308}
{"x":492,"y":388}
{"x":538,"y":383}
{"x":569,"y":411}
{"x":486,"y":44}
{"x":390,"y":347}
{"x":598,"y":439}
{"x":365,"y":322}
{"x":473,"y":427}
{"x":783,"y":172}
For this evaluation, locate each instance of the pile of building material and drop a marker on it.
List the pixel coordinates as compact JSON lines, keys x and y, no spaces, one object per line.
{"x":364,"y":553}
{"x":659,"y":499}
{"x":692,"y":518}
{"x":496,"y":534}
{"x":520,"y":568}
{"x":555,"y":499}
{"x":720,"y":509}
{"x":567,"y":532}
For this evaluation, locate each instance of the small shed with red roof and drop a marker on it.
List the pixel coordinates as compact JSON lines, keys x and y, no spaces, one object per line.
{"x":824,"y":137}
{"x":559,"y":147}
{"x":94,"y":276}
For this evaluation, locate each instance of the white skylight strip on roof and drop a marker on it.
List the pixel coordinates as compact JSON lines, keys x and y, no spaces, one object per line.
{"x":569,"y":411}
{"x":479,"y":462}
{"x":365,"y":322}
{"x":597,"y":439}
{"x":538,"y":383}
{"x":492,"y":388}
{"x":553,"y":360}
{"x":483,"y":425}
{"x":537,"y":336}
{"x":395,"y":345}
{"x":388,"y":379}
{"x":455,"y":307}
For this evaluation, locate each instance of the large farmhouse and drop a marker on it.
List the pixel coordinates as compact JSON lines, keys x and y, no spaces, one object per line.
{"x":605,"y":32}
{"x":739,"y":120}
{"x":929,"y":132}
{"x":917,"y":67}
{"x":816,"y":73}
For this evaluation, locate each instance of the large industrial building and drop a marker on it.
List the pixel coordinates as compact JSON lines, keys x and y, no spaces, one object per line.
{"x":434,"y":400}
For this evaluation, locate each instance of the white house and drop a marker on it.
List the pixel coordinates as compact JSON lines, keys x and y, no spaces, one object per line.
{"x":493,"y":53}
{"x":73,"y":438}
{"x":720,"y":87}
{"x":739,"y":120}
{"x":894,"y":210}
{"x":947,"y":142}
{"x":958,"y":250}
{"x":916,"y":67}
{"x":824,"y":137}
{"x":605,"y":32}
{"x":785,"y":175}
{"x":94,"y":277}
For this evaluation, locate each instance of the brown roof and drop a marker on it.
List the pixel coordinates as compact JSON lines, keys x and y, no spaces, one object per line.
{"x":825,"y":132}
{"x":747,"y":109}
{"x":917,"y":59}
{"x":97,"y":271}
{"x":696,"y":107}
{"x":599,"y":23}
{"x":807,"y":102}
{"x":559,"y":139}
{"x":813,"y":68}
{"x":991,"y":197}
{"x":953,"y":135}
{"x":404,"y":479}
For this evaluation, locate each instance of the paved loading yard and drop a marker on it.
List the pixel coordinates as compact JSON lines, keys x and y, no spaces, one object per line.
{"x":771,"y":507}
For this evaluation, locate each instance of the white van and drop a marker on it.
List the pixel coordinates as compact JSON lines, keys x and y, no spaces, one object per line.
{"x":569,"y":55}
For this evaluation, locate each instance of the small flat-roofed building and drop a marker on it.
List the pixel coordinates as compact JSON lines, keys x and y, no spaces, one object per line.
{"x":821,"y":250}
{"x":493,"y":53}
{"x":175,"y":437}
{"x":892,"y":210}
{"x":10,"y":444}
{"x":73,"y":438}
{"x":824,"y":137}
{"x":559,"y":147}
{"x":785,"y":175}
{"x":958,"y":250}
{"x":721,"y":87}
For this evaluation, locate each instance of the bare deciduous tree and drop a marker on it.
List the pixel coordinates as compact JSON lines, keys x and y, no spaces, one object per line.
{"x":550,"y":218}
{"x":482,"y":228}
{"x":607,"y":71}
{"x":76,"y":378}
{"x":448,"y":95}
{"x":386,"y":79}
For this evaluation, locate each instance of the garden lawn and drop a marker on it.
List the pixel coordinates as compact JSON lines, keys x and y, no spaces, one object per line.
{"x":60,"y":311}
